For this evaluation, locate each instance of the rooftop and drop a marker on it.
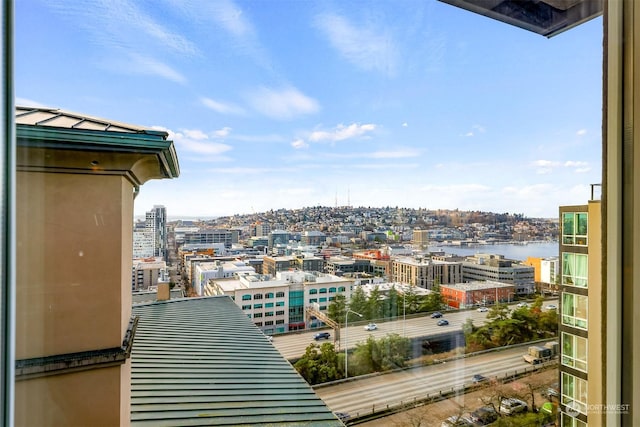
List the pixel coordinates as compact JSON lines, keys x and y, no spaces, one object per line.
{"x":201,"y":361}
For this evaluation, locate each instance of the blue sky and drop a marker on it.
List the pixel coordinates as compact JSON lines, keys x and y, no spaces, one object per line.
{"x":286,"y":104}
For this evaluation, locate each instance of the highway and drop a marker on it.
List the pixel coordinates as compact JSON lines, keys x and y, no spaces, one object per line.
{"x":293,"y":345}
{"x":360,"y":396}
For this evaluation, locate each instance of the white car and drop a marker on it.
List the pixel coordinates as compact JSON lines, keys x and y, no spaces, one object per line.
{"x":511,"y":406}
{"x":551,"y":307}
{"x":522,"y":304}
{"x":483,"y":309}
{"x":371,"y":327}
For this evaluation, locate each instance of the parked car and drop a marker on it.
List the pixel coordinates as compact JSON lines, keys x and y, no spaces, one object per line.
{"x":483,"y":309}
{"x":551,"y":307}
{"x":443,"y":322}
{"x":456,"y":421}
{"x":436,"y":315}
{"x":478,"y":379}
{"x":511,"y":406}
{"x":484,"y":416}
{"x":551,"y":391}
{"x":322,"y":336}
{"x":522,"y":304}
{"x":371,"y":327}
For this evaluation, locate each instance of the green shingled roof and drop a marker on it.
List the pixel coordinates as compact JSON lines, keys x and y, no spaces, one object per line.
{"x":201,"y":361}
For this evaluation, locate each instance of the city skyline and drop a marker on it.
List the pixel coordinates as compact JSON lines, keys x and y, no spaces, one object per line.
{"x":288,"y":105}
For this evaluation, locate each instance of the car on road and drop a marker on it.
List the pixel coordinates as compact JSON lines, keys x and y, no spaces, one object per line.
{"x":512,"y":406}
{"x":551,"y":391}
{"x":443,"y":322}
{"x":342,"y":416}
{"x":522,"y":304}
{"x":483,"y":309}
{"x":479,"y":379}
{"x":483,"y":416}
{"x":322,"y":336}
{"x":436,"y":315}
{"x":371,"y":327}
{"x":551,"y":307}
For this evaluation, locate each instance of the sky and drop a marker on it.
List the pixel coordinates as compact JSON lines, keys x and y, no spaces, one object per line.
{"x":288,"y":104}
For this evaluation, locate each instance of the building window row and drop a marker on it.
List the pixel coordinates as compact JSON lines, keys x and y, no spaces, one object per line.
{"x":574,"y":310}
{"x":574,"y":351}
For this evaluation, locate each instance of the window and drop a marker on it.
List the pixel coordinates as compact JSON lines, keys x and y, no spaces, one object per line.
{"x":332,"y":290}
{"x":268,"y":305}
{"x":268,"y":295}
{"x":342,"y":289}
{"x":246,"y":297}
{"x":268,"y":323}
{"x":574,"y":228}
{"x":574,"y":351}
{"x":246,"y":307}
{"x":323,"y":299}
{"x":257,"y":296}
{"x":313,"y":291}
{"x":575,"y":269}
{"x":574,"y":310}
{"x":259,"y":324}
{"x":256,"y":315}
{"x":279,"y":321}
{"x":269,"y":314}
{"x":280,"y":304}
{"x":280,"y":313}
{"x":257,"y":306}
{"x":312,"y":300}
{"x":323,"y":290}
{"x":570,"y":421}
{"x":280,"y":294}
{"x":574,"y":393}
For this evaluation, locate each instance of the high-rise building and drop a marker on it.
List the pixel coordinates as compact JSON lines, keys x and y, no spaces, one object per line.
{"x":156,"y":223}
{"x":580,"y":326}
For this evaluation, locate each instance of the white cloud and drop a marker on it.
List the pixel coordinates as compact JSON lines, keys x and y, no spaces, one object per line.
{"x":282,"y":104}
{"x":575,"y":164}
{"x":146,"y":65}
{"x":221,"y":107}
{"x":250,"y":171}
{"x":299,"y":144}
{"x":405,"y":124}
{"x":581,"y":132}
{"x":195,"y":134}
{"x":583,"y":170}
{"x":222,"y":133}
{"x":342,"y":132}
{"x":366,"y":47}
{"x":397,"y":154}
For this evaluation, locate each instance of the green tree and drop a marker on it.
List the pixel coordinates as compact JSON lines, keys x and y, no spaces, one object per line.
{"x":319,"y":364}
{"x":358,"y":303}
{"x":375,"y":304}
{"x":434,"y":301}
{"x":498,"y":311}
{"x":411,"y":300}
{"x":391,"y":309}
{"x":337,"y":308}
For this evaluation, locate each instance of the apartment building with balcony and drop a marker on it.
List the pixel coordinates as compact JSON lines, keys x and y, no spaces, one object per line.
{"x":580,"y":326}
{"x":425,"y":273}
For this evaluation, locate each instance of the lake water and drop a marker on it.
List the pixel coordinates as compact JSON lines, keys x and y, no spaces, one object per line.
{"x":511,"y":251}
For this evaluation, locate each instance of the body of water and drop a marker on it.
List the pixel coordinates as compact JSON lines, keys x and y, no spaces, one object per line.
{"x":511,"y":251}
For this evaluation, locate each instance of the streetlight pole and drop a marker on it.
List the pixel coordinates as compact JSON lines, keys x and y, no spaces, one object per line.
{"x":346,"y":347}
{"x":404,"y":314}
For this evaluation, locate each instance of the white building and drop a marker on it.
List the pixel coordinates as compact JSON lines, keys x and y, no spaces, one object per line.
{"x":205,"y":271}
{"x":277,"y":304}
{"x":146,"y":273}
{"x":143,"y":244}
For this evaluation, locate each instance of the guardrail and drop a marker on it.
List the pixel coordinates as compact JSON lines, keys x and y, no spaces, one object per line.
{"x":380,"y":411}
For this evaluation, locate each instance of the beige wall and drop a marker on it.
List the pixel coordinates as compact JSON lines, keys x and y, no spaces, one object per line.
{"x":84,"y":399}
{"x":595,"y":353}
{"x":74,"y":255}
{"x":73,"y":294}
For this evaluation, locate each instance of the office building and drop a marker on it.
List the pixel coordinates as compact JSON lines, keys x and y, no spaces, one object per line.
{"x":480,"y":293}
{"x":156,"y":224}
{"x":498,"y":269}
{"x":425,"y":273}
